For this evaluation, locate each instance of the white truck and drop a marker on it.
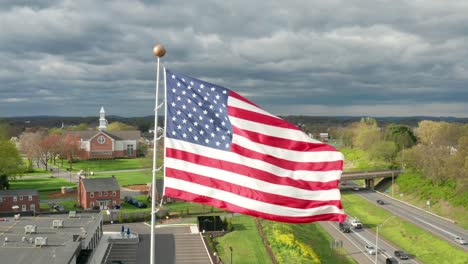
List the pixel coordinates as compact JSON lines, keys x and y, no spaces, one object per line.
{"x":354,"y":222}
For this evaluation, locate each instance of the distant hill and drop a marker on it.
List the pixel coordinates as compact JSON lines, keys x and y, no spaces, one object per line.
{"x":146,"y":122}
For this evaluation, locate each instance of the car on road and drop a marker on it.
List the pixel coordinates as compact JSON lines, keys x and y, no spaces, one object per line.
{"x":391,"y":261}
{"x":356,"y":188}
{"x":345,"y":228}
{"x":370,"y":250}
{"x":460,"y":240}
{"x":401,"y":254}
{"x":380,"y":202}
{"x":356,"y":223}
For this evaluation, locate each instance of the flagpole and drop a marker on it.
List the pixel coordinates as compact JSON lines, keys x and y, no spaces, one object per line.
{"x":158,"y":51}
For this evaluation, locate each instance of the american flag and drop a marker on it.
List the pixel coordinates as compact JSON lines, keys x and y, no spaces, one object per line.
{"x":223,"y":150}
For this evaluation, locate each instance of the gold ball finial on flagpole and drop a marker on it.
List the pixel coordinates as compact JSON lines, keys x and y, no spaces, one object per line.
{"x":159,"y":51}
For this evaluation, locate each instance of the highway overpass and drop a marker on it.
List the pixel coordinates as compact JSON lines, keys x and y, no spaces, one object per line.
{"x":369,"y":176}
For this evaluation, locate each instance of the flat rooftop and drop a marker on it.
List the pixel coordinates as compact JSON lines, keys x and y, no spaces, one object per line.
{"x":60,"y":241}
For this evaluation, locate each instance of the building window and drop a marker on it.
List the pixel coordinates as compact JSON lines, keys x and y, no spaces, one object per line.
{"x":32,"y":207}
{"x":129,"y":150}
{"x":91,"y":204}
{"x":100,"y":193}
{"x":21,"y":197}
{"x":106,"y":193}
{"x":114,"y":193}
{"x":101,"y":140}
{"x":91,"y":194}
{"x":114,"y":202}
{"x":30,"y":198}
{"x":15,"y":198}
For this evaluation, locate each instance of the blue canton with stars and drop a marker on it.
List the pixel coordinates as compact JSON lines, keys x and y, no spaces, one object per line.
{"x":197,"y":112}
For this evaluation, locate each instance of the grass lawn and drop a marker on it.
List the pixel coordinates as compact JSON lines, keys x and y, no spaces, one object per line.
{"x":426,"y":247}
{"x":246,"y":243}
{"x":36,"y":172}
{"x":302,"y":243}
{"x":129,"y":178}
{"x":358,"y":160}
{"x":109,"y":164}
{"x":41,"y":184}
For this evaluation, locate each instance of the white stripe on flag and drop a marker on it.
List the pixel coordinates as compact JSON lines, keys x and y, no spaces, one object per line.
{"x":248,"y":182}
{"x":274,"y":131}
{"x":319,"y":176}
{"x":232,"y":101}
{"x":246,"y":202}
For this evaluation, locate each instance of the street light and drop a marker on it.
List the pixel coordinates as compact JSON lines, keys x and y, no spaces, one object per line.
{"x":377,"y":237}
{"x":230,"y":248}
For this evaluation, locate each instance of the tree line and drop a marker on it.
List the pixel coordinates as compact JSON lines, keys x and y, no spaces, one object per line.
{"x":437,"y":150}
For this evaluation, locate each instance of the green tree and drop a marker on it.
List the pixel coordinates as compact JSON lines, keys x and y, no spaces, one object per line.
{"x":119,"y":126}
{"x":401,"y":135}
{"x":366,"y":133}
{"x":55,"y":131}
{"x":80,"y":127}
{"x":384,"y":150}
{"x":10,"y":162}
{"x":4,"y":131}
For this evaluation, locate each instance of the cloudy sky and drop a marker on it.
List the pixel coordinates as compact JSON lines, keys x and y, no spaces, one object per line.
{"x":354,"y":58}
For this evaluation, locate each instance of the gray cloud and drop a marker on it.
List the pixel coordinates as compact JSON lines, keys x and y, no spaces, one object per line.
{"x":382,"y":58}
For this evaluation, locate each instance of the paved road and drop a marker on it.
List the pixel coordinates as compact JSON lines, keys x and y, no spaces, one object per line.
{"x":355,"y":242}
{"x":436,"y":225}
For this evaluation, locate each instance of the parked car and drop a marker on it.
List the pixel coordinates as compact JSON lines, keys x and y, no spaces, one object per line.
{"x":370,"y":250}
{"x":57,"y":207}
{"x":460,"y":241}
{"x":380,"y":202}
{"x":391,"y":261}
{"x":345,"y":228}
{"x":135,"y":202}
{"x":356,"y":188}
{"x":401,"y":254}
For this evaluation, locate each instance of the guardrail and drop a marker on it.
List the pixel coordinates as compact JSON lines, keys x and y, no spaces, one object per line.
{"x":431,"y":213}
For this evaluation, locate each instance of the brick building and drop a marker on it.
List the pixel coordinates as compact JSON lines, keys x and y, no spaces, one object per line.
{"x":102,"y":192}
{"x":104,"y":144}
{"x":19,"y":200}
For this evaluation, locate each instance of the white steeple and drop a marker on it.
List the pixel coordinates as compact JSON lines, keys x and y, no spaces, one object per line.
{"x":102,"y":119}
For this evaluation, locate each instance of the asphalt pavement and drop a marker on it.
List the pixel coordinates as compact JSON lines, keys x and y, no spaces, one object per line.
{"x":434,"y":224}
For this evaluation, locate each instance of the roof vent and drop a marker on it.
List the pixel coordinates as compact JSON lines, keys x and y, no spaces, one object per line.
{"x":40,"y":241}
{"x":57,"y":223}
{"x":72,"y":214}
{"x":30,"y":229}
{"x":83,"y":233}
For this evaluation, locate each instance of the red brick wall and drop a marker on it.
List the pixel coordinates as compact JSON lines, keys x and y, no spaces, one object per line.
{"x":107,"y":146}
{"x":7,"y":202}
{"x":85,"y":198}
{"x":119,"y":154}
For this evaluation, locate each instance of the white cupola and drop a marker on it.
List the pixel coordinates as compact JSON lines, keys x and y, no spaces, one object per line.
{"x":102,"y":119}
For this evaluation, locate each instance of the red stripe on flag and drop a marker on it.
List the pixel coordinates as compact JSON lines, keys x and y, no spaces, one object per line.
{"x":281,"y":142}
{"x":248,"y":192}
{"x":249,"y":171}
{"x":239,"y":97}
{"x":287,"y":164}
{"x":188,"y":196}
{"x":259,"y":118}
